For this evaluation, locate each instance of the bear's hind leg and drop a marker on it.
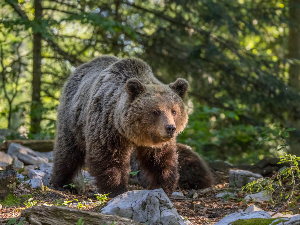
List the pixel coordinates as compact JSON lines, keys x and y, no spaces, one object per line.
{"x":160,"y":165}
{"x":68,"y":159}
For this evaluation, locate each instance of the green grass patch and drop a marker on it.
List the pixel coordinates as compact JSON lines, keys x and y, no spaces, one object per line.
{"x":257,"y":221}
{"x":11,"y":200}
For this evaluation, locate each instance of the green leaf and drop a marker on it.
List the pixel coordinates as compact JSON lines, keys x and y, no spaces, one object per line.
{"x":290,"y":129}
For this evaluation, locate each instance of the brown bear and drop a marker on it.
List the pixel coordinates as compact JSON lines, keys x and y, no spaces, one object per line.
{"x":194,"y":173}
{"x":109,"y":106}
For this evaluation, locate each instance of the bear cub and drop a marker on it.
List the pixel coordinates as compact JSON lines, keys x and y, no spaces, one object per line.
{"x":108,"y":107}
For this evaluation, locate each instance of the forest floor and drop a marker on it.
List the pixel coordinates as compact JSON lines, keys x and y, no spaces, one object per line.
{"x":205,"y":208}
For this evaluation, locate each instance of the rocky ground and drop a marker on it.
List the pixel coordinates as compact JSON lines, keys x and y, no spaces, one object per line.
{"x":207,"y":206}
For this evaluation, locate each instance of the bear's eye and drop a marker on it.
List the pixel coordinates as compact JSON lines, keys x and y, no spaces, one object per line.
{"x":156,"y":112}
{"x":173,"y":112}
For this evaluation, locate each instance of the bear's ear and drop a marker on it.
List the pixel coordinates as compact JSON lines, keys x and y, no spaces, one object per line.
{"x":180,"y":86}
{"x":134,"y":87}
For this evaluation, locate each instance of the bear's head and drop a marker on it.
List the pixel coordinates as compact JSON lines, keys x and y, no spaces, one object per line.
{"x":154,"y":113}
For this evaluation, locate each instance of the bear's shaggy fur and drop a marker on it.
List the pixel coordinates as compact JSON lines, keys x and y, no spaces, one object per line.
{"x":107,"y":107}
{"x":193,"y":170}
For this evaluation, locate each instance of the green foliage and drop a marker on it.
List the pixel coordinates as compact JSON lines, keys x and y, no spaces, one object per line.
{"x":80,"y":221}
{"x":291,"y":173}
{"x":134,"y":173}
{"x":69,"y":185}
{"x":13,"y":221}
{"x":11,"y":200}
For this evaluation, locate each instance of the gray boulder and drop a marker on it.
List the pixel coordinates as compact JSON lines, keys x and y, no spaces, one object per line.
{"x":17,"y":163}
{"x":46,"y":167}
{"x":27,"y":168}
{"x":32,"y":160}
{"x":26,"y":155}
{"x":239,"y":178}
{"x":5,"y":158}
{"x":146,"y":206}
{"x":36,"y":183}
{"x":15,"y":149}
{"x":45,"y":177}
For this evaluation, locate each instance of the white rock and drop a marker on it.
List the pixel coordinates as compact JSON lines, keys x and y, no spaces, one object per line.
{"x":259,"y":197}
{"x":5,"y":158}
{"x":20,"y":177}
{"x":27,"y":168}
{"x":15,"y":149}
{"x":3,"y":164}
{"x":244,"y":216}
{"x":147,"y":205}
{"x":26,"y":155}
{"x":295,"y":220}
{"x":48,"y":155}
{"x":46,"y":167}
{"x":36,"y":183}
{"x":240,"y":178}
{"x":220,"y":195}
{"x":32,"y":160}
{"x":40,"y":174}
{"x":177,"y":194}
{"x":277,"y":222}
{"x":17,"y":163}
{"x":252,"y":208}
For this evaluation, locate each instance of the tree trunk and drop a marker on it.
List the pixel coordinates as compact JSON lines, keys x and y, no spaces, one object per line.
{"x":294,"y":70}
{"x":36,"y":105}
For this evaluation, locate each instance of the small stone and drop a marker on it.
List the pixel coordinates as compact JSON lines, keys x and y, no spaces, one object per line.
{"x":3,"y":164}
{"x":17,"y":163}
{"x":281,"y":169}
{"x":48,"y":155}
{"x":190,"y":193}
{"x":40,"y":174}
{"x":252,"y":208}
{"x":239,"y":178}
{"x":259,"y":197}
{"x":27,"y":168}
{"x":177,"y":194}
{"x":36,"y":183}
{"x":46,"y":167}
{"x":20,"y":177}
{"x":5,"y":158}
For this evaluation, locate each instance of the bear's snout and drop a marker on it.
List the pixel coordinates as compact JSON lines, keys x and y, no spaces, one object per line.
{"x":170,"y":130}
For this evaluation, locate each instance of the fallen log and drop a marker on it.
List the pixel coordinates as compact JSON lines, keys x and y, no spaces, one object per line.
{"x":38,"y":215}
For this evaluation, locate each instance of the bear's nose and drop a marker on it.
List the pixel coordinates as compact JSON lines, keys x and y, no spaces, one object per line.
{"x":170,"y":129}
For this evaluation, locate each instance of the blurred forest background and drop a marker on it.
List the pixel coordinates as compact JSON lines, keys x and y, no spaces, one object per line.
{"x":241,"y":57}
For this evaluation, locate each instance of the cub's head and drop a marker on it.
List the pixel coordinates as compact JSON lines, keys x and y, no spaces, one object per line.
{"x":154,"y":113}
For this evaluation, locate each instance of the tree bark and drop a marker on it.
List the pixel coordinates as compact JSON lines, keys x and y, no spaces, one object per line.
{"x":294,"y":70}
{"x":36,"y":105}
